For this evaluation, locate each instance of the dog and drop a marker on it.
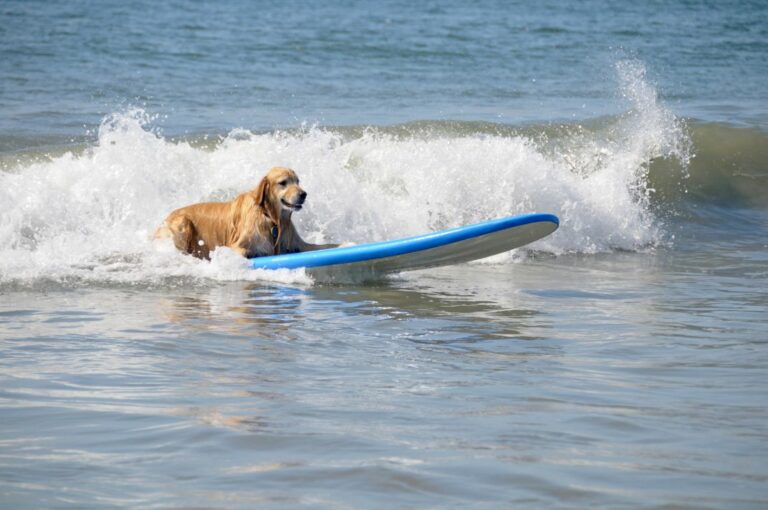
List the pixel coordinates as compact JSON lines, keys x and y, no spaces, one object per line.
{"x":254,"y":224}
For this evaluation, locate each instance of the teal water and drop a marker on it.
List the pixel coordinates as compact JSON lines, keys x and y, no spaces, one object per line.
{"x":619,"y":363}
{"x":208,"y":67}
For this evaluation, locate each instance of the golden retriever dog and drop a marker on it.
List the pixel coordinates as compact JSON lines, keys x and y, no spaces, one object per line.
{"x":254,"y":224}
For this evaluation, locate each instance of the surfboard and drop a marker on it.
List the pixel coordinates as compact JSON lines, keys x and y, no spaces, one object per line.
{"x":445,"y":247}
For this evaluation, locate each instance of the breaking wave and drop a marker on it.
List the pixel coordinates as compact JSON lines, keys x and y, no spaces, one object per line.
{"x":87,"y":214}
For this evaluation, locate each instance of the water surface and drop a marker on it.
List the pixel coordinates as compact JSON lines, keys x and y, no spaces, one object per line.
{"x":619,"y":363}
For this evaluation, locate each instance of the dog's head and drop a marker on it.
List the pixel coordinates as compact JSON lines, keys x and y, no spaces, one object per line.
{"x":279,"y":191}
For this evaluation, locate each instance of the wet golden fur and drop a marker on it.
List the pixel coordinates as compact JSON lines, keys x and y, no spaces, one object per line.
{"x":245,"y":224}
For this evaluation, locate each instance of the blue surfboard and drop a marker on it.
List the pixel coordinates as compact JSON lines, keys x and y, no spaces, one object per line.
{"x":446,"y":247}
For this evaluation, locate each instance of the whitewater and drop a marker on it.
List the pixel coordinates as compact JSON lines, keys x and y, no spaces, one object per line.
{"x":88,"y":215}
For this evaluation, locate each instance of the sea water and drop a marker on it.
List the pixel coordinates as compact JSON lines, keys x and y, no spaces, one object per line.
{"x":618,"y":363}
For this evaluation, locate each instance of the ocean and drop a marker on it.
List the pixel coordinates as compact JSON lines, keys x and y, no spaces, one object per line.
{"x":621,"y":362}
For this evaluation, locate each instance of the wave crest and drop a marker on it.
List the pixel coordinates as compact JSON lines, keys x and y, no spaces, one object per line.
{"x":89,"y":216}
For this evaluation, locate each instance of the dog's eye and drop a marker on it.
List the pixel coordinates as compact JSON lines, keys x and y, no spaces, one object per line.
{"x":283,"y":183}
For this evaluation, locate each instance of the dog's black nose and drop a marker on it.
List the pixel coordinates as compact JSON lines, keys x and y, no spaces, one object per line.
{"x":303,"y":196}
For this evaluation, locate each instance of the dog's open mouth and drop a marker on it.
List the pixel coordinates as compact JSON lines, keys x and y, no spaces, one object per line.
{"x":293,"y":207}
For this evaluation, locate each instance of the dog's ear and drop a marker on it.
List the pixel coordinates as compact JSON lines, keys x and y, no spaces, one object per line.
{"x":262,"y":191}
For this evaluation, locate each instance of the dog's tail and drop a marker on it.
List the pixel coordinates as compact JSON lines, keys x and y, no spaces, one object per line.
{"x":163,"y":232}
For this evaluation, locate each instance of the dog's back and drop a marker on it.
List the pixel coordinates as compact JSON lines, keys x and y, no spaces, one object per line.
{"x":198,"y":229}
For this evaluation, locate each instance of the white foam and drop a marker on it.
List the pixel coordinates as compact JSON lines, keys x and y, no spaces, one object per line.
{"x":90,"y":216}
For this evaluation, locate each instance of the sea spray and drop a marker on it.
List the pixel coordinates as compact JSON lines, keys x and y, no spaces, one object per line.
{"x":90,"y":216}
